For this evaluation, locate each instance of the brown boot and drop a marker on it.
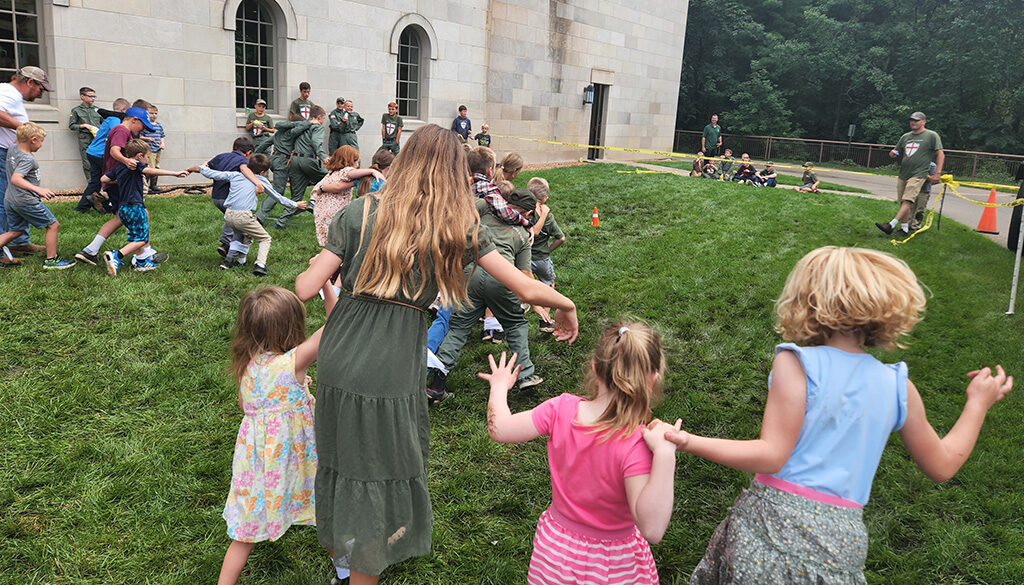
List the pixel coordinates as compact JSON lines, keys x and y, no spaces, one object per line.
{"x":9,"y":262}
{"x":29,"y":248}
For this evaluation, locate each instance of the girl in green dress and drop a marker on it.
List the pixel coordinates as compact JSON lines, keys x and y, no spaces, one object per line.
{"x":397,"y":249}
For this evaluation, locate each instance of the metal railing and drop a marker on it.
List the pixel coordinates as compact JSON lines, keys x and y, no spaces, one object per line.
{"x":961,"y":163}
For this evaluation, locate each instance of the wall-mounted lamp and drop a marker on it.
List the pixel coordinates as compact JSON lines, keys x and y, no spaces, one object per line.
{"x":588,"y":94}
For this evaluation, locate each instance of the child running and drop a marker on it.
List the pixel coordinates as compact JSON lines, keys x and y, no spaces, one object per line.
{"x":396,"y":250}
{"x":131,"y":209}
{"x":334,"y":191}
{"x":830,"y":409}
{"x":611,"y":492}
{"x":547,"y":236}
{"x":509,"y":168}
{"x":274,"y":465}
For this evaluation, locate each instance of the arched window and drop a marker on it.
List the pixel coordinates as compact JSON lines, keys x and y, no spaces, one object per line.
{"x":410,"y":84}
{"x":254,"y":54}
{"x":19,"y":36}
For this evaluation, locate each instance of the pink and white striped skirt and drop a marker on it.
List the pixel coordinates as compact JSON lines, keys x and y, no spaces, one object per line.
{"x":567,"y":554}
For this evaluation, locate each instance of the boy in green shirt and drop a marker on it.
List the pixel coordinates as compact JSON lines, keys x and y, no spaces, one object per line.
{"x":546,"y":237}
{"x":307,"y":165}
{"x":336,"y":125}
{"x":391,"y":129}
{"x":284,"y":142}
{"x":301,"y":106}
{"x":344,"y":125}
{"x":86,"y":120}
{"x":262,"y":127}
{"x":810,"y":180}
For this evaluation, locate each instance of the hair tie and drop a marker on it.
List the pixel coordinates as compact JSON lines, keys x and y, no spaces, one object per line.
{"x":622,"y":330}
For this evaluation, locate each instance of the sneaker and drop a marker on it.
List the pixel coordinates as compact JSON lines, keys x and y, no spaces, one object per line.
{"x":98,"y":199}
{"x":529,"y":382}
{"x":336,"y":581}
{"x":146,"y":265}
{"x":487,"y":335}
{"x":112,"y":261}
{"x":227,"y":264}
{"x":259,"y":270}
{"x":547,"y":326}
{"x":222,"y":249}
{"x":278,"y":226}
{"x":437,"y":386}
{"x":57,"y":263}
{"x":497,"y":336}
{"x":88,"y":258}
{"x":160,"y":257}
{"x":27,"y":249}
{"x":884,"y":226}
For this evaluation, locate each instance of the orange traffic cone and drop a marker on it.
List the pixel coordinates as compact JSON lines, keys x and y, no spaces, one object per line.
{"x":987,"y":223}
{"x":596,"y":222}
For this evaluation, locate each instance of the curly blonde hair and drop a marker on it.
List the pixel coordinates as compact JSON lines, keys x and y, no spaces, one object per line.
{"x":868,"y":293}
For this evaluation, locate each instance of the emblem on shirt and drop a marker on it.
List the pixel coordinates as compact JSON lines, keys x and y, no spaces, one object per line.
{"x":257,"y":130}
{"x":390,"y":128}
{"x":304,"y":112}
{"x":911,"y":148}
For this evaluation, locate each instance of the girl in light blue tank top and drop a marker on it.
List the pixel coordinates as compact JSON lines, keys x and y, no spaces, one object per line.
{"x":829,"y":413}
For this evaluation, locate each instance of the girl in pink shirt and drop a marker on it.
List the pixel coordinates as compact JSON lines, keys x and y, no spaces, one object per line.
{"x":611,"y":477}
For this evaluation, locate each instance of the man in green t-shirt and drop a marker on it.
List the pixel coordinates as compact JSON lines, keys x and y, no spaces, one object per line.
{"x":344,"y":125}
{"x":301,"y":106}
{"x":307,"y":166}
{"x":391,"y":129}
{"x":916,"y":150}
{"x":284,"y":143}
{"x":711,"y":139}
{"x":261,"y":125}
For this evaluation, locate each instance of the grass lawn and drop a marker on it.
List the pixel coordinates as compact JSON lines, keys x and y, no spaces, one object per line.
{"x":781,"y":178}
{"x":118,"y":418}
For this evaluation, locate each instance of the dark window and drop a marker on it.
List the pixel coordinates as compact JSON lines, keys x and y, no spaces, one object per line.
{"x":19,"y":36}
{"x":254,"y":54}
{"x":408,"y":89}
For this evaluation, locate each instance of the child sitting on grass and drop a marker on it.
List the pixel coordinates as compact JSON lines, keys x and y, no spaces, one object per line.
{"x":725,"y":166}
{"x":546,"y":237}
{"x":830,"y":409}
{"x":809,"y":179}
{"x":766,"y":177}
{"x":274,"y":465}
{"x":24,"y":195}
{"x":611,"y":476}
{"x":745,"y":172}
{"x":131,"y":210}
{"x":239,"y":207}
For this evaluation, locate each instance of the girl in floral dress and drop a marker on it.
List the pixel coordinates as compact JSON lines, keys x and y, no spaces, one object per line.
{"x":275,"y":458}
{"x":334,"y":191}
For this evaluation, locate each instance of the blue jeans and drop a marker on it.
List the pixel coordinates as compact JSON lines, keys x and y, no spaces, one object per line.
{"x":439,"y":328}
{"x":20,"y":240}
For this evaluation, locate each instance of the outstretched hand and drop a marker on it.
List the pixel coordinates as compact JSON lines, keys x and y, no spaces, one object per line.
{"x":566,"y":325}
{"x":503,"y":374}
{"x":677,"y":436}
{"x":656,"y":435}
{"x":987,"y":388}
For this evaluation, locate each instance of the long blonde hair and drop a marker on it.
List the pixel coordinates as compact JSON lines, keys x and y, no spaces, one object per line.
{"x":868,"y":293}
{"x":509,"y":168}
{"x":626,"y":356}
{"x":270,"y":320}
{"x":425,"y":211}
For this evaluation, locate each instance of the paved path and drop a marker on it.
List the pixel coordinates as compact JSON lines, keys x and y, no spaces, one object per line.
{"x":884,"y":187}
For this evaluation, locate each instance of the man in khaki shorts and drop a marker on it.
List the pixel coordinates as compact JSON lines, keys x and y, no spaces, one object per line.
{"x":917,"y":150}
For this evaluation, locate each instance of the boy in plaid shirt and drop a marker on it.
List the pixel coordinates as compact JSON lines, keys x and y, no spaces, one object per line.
{"x":481,"y":164}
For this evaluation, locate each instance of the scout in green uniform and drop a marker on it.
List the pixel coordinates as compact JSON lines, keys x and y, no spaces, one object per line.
{"x":307,"y":165}
{"x":513,"y":243}
{"x":284,"y":142}
{"x":711,"y":139}
{"x":262,"y":127}
{"x":352,"y":123}
{"x":917,"y":150}
{"x":391,"y":129}
{"x":301,"y":106}
{"x":86,"y":120}
{"x":337,"y":126}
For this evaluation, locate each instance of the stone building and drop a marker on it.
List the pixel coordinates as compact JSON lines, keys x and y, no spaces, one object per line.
{"x":521,"y":67}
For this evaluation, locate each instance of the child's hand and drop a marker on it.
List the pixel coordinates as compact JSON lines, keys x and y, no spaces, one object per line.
{"x":46,"y":194}
{"x":377,"y":174}
{"x":986,"y":388}
{"x":183,"y":174}
{"x":680,"y":438}
{"x":309,"y":381}
{"x":301,"y":205}
{"x":566,"y":326}
{"x":503,"y":375}
{"x":132,"y":164}
{"x":655,"y":435}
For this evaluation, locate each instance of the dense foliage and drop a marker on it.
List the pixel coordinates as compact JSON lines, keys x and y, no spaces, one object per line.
{"x":809,"y":68}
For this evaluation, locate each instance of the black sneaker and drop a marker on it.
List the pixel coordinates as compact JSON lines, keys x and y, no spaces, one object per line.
{"x":497,"y":336}
{"x":160,"y":257}
{"x":486,"y":335}
{"x":88,"y":258}
{"x":529,"y":382}
{"x":222,"y":249}
{"x":884,"y":226}
{"x":259,"y":270}
{"x":437,"y":386}
{"x":547,"y":326}
{"x":227,"y":264}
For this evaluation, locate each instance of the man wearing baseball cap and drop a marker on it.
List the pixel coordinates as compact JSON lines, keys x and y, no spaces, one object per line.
{"x":27,"y":85}
{"x":916,"y":150}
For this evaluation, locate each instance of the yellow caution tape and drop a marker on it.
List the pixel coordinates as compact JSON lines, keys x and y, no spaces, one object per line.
{"x":646,"y":172}
{"x":822,"y":169}
{"x":948,"y":181}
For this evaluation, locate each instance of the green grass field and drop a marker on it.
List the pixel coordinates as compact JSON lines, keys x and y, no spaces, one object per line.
{"x":117,"y":416}
{"x":782,"y":179}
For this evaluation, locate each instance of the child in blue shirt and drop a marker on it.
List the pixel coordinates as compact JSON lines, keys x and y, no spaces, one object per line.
{"x":240,"y":204}
{"x":830,"y":409}
{"x":155,"y":138}
{"x":132,"y":209}
{"x":95,"y":155}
